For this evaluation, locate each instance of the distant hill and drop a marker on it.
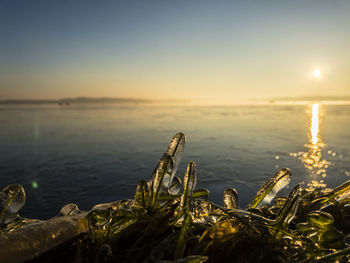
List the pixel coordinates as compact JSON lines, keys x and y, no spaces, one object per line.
{"x":78,"y":100}
{"x":313,"y":98}
{"x":92,"y":100}
{"x":28,"y":101}
{"x":103,"y":100}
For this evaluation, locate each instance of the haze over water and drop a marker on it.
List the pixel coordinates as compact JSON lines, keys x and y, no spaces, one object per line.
{"x":92,"y":154}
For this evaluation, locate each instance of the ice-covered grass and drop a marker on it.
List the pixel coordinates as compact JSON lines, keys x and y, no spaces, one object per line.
{"x":169,"y":223}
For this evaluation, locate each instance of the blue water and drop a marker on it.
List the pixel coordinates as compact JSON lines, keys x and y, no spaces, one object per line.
{"x":92,"y":154}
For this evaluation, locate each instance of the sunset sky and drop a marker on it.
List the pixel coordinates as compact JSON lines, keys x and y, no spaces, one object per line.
{"x":205,"y":51}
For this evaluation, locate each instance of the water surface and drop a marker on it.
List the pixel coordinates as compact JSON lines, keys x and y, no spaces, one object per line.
{"x":92,"y":154}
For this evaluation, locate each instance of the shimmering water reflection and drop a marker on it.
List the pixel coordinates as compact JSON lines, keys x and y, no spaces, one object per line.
{"x":312,"y":158}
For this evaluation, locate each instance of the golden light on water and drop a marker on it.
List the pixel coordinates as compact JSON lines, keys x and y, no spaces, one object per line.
{"x":312,"y":158}
{"x":314,"y":124}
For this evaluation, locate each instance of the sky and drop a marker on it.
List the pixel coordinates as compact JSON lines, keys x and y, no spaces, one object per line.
{"x":206,"y":51}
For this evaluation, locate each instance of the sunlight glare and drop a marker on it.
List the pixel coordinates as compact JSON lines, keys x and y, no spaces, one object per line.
{"x":316,"y":73}
{"x":314,"y":124}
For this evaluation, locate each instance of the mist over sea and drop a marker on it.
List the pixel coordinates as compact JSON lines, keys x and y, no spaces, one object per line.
{"x":88,"y":154}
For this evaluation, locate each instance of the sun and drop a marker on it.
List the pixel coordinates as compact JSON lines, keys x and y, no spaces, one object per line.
{"x":316,"y":73}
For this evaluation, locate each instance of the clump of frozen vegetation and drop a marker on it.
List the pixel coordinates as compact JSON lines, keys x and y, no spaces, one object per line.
{"x":171,"y":221}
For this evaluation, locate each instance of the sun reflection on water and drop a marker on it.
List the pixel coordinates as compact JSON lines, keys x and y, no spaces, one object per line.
{"x":314,"y":124}
{"x":312,"y":158}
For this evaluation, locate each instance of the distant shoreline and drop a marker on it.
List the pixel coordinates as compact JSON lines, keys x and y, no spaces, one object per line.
{"x":135,"y":101}
{"x":87,"y":100}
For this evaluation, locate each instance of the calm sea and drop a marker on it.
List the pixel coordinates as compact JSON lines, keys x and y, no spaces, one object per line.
{"x":92,"y":154}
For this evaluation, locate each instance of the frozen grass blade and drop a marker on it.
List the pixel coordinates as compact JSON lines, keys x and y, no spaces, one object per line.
{"x":201,"y":194}
{"x":269,"y":190}
{"x":12,"y":199}
{"x":163,"y":171}
{"x":176,"y":149}
{"x":231,"y":198}
{"x":289,"y":209}
{"x":142,"y":194}
{"x":341,"y":192}
{"x":190,"y":181}
{"x":181,"y":241}
{"x":248,"y":216}
{"x":175,"y":186}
